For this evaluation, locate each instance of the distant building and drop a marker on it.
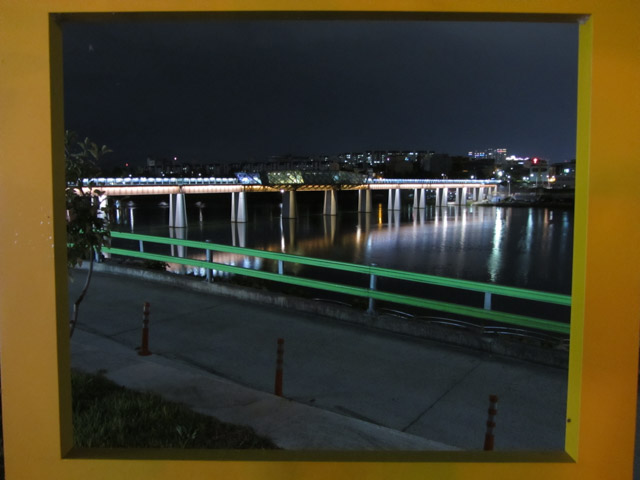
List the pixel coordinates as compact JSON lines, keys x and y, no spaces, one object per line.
{"x":515,"y":159}
{"x":499,"y":155}
{"x":563,"y":175}
{"x":436,"y":165}
{"x":153,"y":167}
{"x":538,"y":172}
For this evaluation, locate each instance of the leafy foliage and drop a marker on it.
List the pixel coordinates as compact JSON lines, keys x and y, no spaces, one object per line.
{"x":87,"y":229}
{"x":81,"y":157}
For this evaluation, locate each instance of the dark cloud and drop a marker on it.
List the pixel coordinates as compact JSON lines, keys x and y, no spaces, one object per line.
{"x":228,"y":91}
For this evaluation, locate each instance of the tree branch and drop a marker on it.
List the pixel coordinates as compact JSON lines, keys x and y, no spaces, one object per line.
{"x":76,"y":305}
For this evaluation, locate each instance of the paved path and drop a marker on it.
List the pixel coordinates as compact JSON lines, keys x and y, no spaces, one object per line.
{"x":346,"y":387}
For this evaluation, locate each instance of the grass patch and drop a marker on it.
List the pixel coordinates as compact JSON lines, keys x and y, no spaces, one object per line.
{"x":108,"y":415}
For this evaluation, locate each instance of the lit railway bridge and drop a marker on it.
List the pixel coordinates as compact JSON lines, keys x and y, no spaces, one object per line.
{"x":290,"y":183}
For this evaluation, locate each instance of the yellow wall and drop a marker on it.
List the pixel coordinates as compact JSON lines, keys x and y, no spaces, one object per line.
{"x":606,"y":294}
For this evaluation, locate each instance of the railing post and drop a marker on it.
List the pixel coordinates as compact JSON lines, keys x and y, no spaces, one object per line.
{"x":208,"y":253}
{"x":372,"y":286}
{"x":141,"y":246}
{"x":280,"y":267}
{"x":487,"y":300}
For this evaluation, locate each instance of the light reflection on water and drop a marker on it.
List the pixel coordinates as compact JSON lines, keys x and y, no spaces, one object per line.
{"x":524,"y":247}
{"x":494,"y":258}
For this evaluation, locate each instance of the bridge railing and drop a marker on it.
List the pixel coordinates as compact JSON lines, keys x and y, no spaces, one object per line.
{"x":486,"y":312}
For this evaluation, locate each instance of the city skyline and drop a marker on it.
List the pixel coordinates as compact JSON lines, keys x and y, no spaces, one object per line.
{"x":235,"y":91}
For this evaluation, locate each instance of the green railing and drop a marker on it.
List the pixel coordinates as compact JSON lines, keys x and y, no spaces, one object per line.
{"x":485,"y":313}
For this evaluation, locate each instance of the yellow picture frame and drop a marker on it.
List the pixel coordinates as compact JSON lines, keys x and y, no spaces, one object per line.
{"x":34,"y":346}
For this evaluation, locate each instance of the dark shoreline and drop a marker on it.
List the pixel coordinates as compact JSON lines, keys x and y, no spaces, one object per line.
{"x":536,"y":204}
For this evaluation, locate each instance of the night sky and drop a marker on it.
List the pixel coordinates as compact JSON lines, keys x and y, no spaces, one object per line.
{"x":232,"y":91}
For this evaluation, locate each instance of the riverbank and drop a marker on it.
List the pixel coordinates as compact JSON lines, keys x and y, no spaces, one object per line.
{"x":541,"y":198}
{"x":543,"y":203}
{"x":345,"y":386}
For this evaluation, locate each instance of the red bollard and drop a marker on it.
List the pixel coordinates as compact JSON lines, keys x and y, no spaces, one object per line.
{"x":278,"y":387}
{"x":493,"y":410}
{"x":144,"y":348}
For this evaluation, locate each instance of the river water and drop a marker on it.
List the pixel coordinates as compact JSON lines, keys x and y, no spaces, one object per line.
{"x":521,"y":247}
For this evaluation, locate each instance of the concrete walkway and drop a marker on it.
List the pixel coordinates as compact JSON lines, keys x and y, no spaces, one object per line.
{"x":346,"y":387}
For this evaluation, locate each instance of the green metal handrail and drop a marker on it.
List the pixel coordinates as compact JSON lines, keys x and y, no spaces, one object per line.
{"x":481,"y":313}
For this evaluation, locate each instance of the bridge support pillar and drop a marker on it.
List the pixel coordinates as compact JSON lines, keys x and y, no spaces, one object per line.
{"x":118,"y":209}
{"x":103,"y":205}
{"x":289,"y":207}
{"x":364,"y":224}
{"x":287,"y":238}
{"x":397,"y":205}
{"x":238,"y":234}
{"x":330,"y":203}
{"x":462,"y":196}
{"x":364,"y":201}
{"x":423,"y":199}
{"x":181,"y":211}
{"x":329,"y":223}
{"x":172,"y":209}
{"x":445,"y":197}
{"x":179,"y":250}
{"x":238,"y":207}
{"x":177,"y":211}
